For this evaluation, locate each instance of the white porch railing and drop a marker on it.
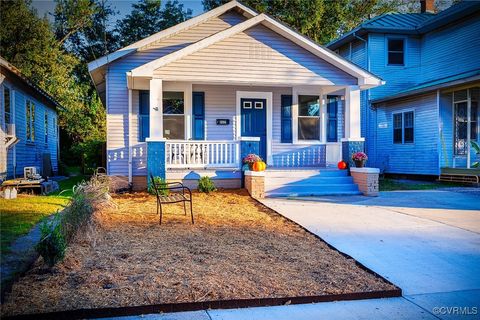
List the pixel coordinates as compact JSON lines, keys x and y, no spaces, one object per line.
{"x":202,"y":154}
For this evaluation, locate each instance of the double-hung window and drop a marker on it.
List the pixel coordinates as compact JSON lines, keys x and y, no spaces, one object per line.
{"x":308,"y":117}
{"x":30,"y":116}
{"x":7,"y":104}
{"x":396,"y":52}
{"x":403,"y":127}
{"x":46,"y":127}
{"x":173,"y":115}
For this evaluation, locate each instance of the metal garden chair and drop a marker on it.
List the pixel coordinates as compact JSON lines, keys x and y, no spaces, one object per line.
{"x":175,"y":193}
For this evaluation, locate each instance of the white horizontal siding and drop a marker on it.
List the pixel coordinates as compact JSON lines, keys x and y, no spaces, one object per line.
{"x":420,"y":157}
{"x":117,"y":92}
{"x":253,"y":56}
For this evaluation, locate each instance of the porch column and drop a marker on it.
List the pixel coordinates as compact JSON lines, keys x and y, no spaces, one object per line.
{"x":353,"y":142}
{"x":156,"y":109}
{"x":155,"y":142}
{"x":323,"y":112}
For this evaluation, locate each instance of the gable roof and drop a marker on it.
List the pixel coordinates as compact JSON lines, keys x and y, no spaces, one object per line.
{"x":42,"y":94}
{"x":167,"y":32}
{"x":365,"y":78}
{"x":409,"y":23}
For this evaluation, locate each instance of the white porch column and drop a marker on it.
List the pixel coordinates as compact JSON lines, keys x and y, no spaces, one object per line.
{"x":352,"y":113}
{"x":294,"y":115}
{"x":323,"y":112}
{"x":156,"y":109}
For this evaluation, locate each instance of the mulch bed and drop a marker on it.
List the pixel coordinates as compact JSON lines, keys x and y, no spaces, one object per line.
{"x":237,"y":249}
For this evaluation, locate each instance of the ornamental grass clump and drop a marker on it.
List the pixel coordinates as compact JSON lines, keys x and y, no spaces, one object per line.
{"x":88,"y":196}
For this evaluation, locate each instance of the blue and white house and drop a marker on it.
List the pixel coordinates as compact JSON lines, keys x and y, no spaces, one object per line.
{"x":425,"y":116}
{"x":193,"y":99}
{"x":28,"y":125}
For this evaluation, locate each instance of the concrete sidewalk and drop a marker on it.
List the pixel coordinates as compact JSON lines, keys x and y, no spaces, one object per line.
{"x":426,"y":242}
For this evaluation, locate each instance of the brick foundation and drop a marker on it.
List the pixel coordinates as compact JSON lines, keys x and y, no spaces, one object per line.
{"x":366,"y":179}
{"x":255,"y":183}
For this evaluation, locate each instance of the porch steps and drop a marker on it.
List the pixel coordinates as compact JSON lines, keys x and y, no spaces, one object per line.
{"x":308,"y":183}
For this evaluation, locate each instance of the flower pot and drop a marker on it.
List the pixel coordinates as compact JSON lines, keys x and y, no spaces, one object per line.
{"x":359,"y":163}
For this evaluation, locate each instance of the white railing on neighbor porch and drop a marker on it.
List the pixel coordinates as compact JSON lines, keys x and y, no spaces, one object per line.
{"x":202,"y":154}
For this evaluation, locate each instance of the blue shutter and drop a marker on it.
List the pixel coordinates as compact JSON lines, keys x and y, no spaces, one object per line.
{"x":198,"y":105}
{"x":144,"y":106}
{"x":332,"y":123}
{"x":286,"y":119}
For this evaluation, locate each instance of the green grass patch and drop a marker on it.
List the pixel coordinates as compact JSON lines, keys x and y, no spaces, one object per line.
{"x":18,"y":216}
{"x":396,"y":185}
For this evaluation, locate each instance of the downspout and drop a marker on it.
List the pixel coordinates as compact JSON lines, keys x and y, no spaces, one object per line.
{"x":14,"y":111}
{"x":129,"y":137}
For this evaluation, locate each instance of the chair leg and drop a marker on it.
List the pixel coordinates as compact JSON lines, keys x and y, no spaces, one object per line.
{"x":185,"y":208}
{"x":157,"y":206}
{"x":191,"y":211}
{"x":161,"y":212}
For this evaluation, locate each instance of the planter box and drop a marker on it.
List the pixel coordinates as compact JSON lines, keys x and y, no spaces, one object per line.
{"x":366,"y":179}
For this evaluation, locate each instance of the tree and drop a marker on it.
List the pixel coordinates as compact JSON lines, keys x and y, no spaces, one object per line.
{"x":321,"y":20}
{"x":147,"y":18}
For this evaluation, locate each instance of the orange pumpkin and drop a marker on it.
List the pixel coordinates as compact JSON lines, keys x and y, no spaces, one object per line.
{"x":342,"y":165}
{"x":259,"y":166}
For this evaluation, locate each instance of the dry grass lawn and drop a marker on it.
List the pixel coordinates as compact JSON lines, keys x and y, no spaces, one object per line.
{"x":237,"y":249}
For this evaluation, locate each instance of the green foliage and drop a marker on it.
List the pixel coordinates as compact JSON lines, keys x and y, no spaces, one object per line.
{"x":161,"y":185}
{"x":476,"y":148}
{"x":320,"y":20}
{"x":52,"y":245}
{"x":148,"y":17}
{"x":205,"y":184}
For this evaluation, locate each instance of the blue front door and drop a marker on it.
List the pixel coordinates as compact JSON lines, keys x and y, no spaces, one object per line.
{"x":254,"y":121}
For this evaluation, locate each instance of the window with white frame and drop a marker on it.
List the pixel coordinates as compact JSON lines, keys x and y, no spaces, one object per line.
{"x":396,"y":52}
{"x":173,"y":115}
{"x":30,"y":116}
{"x":8,"y":107}
{"x":46,"y":127}
{"x":403,"y":127}
{"x":308,"y":117}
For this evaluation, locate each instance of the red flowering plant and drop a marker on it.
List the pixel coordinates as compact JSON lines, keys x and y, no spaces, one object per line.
{"x":251,"y":158}
{"x":359,"y":156}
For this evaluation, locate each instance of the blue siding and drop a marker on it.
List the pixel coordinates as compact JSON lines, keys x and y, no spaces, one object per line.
{"x":420,"y":157}
{"x":30,"y":153}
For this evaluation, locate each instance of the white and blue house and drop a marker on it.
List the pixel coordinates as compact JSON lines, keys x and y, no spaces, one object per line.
{"x":424,"y":117}
{"x":29,"y":134}
{"x":193,"y":99}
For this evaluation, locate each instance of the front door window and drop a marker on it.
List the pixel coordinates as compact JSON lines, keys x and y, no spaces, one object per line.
{"x":461,"y":100}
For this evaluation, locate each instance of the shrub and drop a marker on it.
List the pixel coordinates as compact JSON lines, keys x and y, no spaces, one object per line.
{"x":205,"y":184}
{"x":52,"y":243}
{"x":57,"y":233}
{"x":161,"y":184}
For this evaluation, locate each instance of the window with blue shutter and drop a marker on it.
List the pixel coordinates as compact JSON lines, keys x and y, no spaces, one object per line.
{"x":286,"y":129}
{"x":332,"y":122}
{"x":198,"y":105}
{"x":144,"y":105}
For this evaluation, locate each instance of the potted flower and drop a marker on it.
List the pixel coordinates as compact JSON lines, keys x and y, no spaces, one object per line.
{"x":250,"y":159}
{"x":359,"y":158}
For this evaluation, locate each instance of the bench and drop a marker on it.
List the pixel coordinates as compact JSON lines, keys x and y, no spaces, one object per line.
{"x":172,"y":192}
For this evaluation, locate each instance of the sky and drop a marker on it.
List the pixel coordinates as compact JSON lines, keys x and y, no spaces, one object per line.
{"x":123,"y":6}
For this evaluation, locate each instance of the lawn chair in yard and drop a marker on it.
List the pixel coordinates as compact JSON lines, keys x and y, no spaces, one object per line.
{"x":171,"y":192}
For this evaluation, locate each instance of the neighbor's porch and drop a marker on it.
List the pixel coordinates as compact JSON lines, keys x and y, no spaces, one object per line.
{"x":212,"y":126}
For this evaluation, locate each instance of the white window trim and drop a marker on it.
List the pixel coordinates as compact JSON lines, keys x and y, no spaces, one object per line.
{"x":405,"y":55}
{"x":238,"y":119}
{"x":12,"y":107}
{"x":30,"y":141}
{"x":402,"y":112}
{"x":187,"y":89}
{"x":299,"y":91}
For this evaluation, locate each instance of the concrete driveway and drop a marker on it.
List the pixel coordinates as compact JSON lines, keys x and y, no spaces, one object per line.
{"x":425,"y":242}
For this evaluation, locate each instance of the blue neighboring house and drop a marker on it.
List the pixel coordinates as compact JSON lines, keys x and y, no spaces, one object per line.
{"x":29,"y":134}
{"x":425,"y":116}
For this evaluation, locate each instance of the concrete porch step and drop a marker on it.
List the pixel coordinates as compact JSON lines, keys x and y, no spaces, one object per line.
{"x":282,"y":173}
{"x":306,"y":188}
{"x":310,"y":194}
{"x":317,"y":180}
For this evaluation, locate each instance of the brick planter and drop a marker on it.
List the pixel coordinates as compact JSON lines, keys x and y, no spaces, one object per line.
{"x":255,"y":183}
{"x":366,"y":179}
